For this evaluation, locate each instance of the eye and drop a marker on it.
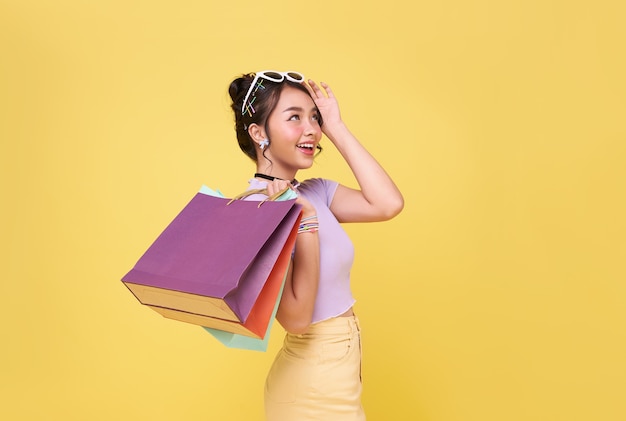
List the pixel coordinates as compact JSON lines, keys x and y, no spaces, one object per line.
{"x":316,"y":117}
{"x":294,"y":117}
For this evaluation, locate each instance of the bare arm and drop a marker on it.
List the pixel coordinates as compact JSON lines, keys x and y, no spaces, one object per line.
{"x":378,"y":198}
{"x":295,"y":311}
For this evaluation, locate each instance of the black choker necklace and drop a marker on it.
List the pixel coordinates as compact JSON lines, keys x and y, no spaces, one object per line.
{"x":271,"y":178}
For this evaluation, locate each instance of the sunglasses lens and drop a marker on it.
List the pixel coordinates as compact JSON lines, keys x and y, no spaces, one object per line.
{"x":273,"y":76}
{"x":296,"y":76}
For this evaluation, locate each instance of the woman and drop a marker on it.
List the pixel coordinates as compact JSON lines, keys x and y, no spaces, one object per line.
{"x":279,"y":120}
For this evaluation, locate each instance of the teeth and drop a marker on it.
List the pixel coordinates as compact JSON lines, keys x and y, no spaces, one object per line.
{"x":306,"y":145}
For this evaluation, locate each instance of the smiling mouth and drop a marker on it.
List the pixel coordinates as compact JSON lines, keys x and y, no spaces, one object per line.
{"x":306,"y":146}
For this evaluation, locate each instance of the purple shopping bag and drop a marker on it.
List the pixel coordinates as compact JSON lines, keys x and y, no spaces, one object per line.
{"x":213,"y":259}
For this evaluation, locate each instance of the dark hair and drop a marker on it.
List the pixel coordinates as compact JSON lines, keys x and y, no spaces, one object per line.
{"x":266,"y":100}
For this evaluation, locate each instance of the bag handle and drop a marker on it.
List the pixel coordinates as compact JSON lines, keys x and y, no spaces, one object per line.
{"x":258,"y":191}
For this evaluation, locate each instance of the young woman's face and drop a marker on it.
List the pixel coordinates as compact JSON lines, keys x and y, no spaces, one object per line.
{"x":294,"y":133}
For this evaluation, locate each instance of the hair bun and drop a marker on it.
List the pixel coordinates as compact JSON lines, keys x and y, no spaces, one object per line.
{"x":239,"y":87}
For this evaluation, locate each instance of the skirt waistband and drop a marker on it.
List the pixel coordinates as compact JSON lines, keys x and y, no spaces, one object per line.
{"x":334,"y":326}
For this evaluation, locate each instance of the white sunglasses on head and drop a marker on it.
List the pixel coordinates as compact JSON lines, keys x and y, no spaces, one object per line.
{"x":257,"y":83}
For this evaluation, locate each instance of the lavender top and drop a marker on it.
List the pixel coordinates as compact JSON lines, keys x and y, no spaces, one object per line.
{"x":334,"y":296}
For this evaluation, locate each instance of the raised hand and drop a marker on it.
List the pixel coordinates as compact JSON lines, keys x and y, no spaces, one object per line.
{"x":378,"y":198}
{"x":326,"y":103}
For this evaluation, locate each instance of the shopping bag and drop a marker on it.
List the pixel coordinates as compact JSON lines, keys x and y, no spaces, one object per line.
{"x":263,"y":311}
{"x":233,"y":340}
{"x":212,"y":262}
{"x":266,"y":313}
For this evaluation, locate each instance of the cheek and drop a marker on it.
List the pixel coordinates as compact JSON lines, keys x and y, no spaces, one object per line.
{"x":293,"y":132}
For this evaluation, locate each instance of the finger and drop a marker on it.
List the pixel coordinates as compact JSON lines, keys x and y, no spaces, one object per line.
{"x":273,"y":187}
{"x":277,"y":186}
{"x":317,"y":92}
{"x":309,"y":88}
{"x":329,"y":91}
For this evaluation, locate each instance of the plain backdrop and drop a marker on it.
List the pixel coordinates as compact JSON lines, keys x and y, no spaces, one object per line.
{"x":497,"y":294}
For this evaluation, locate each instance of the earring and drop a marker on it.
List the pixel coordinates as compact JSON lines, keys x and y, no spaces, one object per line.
{"x":264,"y":143}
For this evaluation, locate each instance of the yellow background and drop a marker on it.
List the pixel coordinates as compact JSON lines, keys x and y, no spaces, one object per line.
{"x":498,"y":293}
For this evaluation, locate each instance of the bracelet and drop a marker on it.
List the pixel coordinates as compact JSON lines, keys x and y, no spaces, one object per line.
{"x":308,"y":228}
{"x":309,"y":224}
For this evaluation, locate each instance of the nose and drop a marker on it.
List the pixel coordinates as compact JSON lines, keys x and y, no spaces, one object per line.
{"x":311,"y":128}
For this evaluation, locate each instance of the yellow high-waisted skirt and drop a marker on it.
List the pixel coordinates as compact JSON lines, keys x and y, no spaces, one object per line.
{"x":317,"y":375}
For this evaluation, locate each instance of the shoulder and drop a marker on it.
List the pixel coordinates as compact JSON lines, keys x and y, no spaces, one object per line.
{"x":321,"y":187}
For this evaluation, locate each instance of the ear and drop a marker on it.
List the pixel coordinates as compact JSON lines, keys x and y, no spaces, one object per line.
{"x":256,"y":132}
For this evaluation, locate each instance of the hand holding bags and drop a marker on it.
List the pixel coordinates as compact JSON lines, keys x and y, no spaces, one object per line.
{"x":219,"y":264}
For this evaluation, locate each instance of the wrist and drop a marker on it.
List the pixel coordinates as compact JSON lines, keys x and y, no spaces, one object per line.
{"x":309,"y":224}
{"x":306,"y":213}
{"x":335,"y":130}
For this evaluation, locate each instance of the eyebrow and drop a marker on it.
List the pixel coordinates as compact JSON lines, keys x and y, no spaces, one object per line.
{"x":300,"y":109}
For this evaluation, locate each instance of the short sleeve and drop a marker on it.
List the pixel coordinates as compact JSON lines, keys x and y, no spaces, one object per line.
{"x":321,"y":187}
